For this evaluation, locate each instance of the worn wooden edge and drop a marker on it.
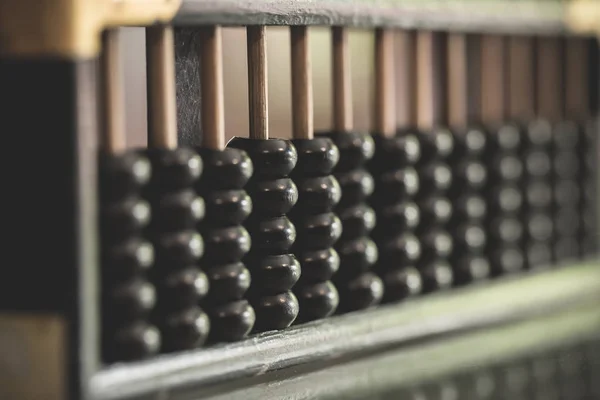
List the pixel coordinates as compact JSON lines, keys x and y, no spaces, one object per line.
{"x":497,"y":16}
{"x":401,"y":370}
{"x":328,"y":341}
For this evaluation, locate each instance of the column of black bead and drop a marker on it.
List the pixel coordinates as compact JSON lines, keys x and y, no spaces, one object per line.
{"x":468,"y":259}
{"x":435,"y":176}
{"x":317,"y":227}
{"x":358,"y":287}
{"x":589,"y":188}
{"x":176,"y":207}
{"x":226,"y":172}
{"x":127,"y":296}
{"x":396,"y":183}
{"x":537,"y":155}
{"x":503,"y":192}
{"x":273,"y":269}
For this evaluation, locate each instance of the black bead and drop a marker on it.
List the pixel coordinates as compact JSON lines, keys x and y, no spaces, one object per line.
{"x":397,"y":184}
{"x":537,"y":163}
{"x":226,"y":207}
{"x":273,"y":274}
{"x":401,"y":283}
{"x":271,"y":236}
{"x":436,"y":275}
{"x":567,"y":136}
{"x":398,"y":218}
{"x":130,"y":300}
{"x":404,"y":249}
{"x":539,"y":254}
{"x":435,"y":210}
{"x":173,"y":169}
{"x":506,"y":259}
{"x":122,"y":175}
{"x":274,"y":312}
{"x":471,"y":268}
{"x":355,"y":148}
{"x":185,"y":329}
{"x":506,"y":138}
{"x":396,"y":151}
{"x":272,"y":158}
{"x":437,"y":143}
{"x":316,"y":301}
{"x":506,"y":229}
{"x":224,"y":169}
{"x":356,"y":257}
{"x":357,"y":221}
{"x":131,"y":342}
{"x":227,"y":282}
{"x":504,"y":199}
{"x":180,"y":289}
{"x":319,"y":265}
{"x":316,"y":157}
{"x":124,"y":218}
{"x":272,"y":197}
{"x":567,"y":193}
{"x":179,"y":210}
{"x":435,"y":177}
{"x":226,"y":245}
{"x":469,"y":237}
{"x":566,"y":248}
{"x":317,"y":194}
{"x":357,"y":185}
{"x":566,"y":165}
{"x":231,"y":321}
{"x":127,"y":258}
{"x":469,"y":174}
{"x":539,"y":133}
{"x":360,"y":293}
{"x":178,"y":248}
{"x":505,"y":167}
{"x":469,"y":143}
{"x":470,"y":206}
{"x":317,"y":231}
{"x":540,"y":226}
{"x":436,"y":243}
{"x":539,"y":194}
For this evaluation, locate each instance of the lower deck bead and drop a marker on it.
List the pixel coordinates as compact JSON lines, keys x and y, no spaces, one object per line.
{"x":232,"y":321}
{"x":436,"y":275}
{"x":275,"y":312}
{"x":401,"y":283}
{"x":362,"y":292}
{"x":471,"y":268}
{"x":184,"y":330}
{"x":506,"y":259}
{"x":316,"y":301}
{"x":134,"y":341}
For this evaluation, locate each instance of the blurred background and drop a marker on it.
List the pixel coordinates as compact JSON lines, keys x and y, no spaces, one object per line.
{"x":279,"y":70}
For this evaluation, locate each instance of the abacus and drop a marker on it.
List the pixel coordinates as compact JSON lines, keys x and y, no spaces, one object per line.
{"x":454,"y":233}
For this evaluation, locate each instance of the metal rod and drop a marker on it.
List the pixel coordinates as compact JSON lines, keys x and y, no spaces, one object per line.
{"x":211,"y":78}
{"x":257,"y":82}
{"x":160,"y":64}
{"x":549,"y":79}
{"x":114,"y":138}
{"x":577,"y":74}
{"x":385,"y":99}
{"x":406,"y":110}
{"x":457,"y":81}
{"x":521,"y":87}
{"x":493,"y":79}
{"x":342,"y":80}
{"x":302,"y":90}
{"x":426,"y":81}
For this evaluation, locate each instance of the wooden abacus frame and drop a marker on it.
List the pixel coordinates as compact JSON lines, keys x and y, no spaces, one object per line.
{"x":49,"y":318}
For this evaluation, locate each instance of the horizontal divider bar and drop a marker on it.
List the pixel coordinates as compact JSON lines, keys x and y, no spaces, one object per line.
{"x":479,"y":306}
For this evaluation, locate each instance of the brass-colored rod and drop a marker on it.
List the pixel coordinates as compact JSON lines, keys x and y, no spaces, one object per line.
{"x":302,"y":90}
{"x":493,"y":80}
{"x":549,"y":79}
{"x":385,"y":86}
{"x":114,"y":138}
{"x":577,"y":73}
{"x":521,"y":82}
{"x":406,"y":111}
{"x":257,"y":82}
{"x":160,"y":65}
{"x":457,"y":99}
{"x":426,"y":81}
{"x":343,"y":120}
{"x":211,"y":82}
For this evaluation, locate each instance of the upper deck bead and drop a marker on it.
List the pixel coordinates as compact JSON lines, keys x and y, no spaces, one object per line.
{"x":173,"y":169}
{"x":272,"y":158}
{"x":400,"y":150}
{"x":437,"y":143}
{"x":471,"y":142}
{"x":229,"y":168}
{"x":506,"y":138}
{"x":316,"y":157}
{"x":396,"y":184}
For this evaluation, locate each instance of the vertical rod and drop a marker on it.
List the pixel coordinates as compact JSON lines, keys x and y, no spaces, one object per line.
{"x":162,"y":105}
{"x":493,"y":85}
{"x":257,"y":82}
{"x":521,"y":87}
{"x":211,"y":82}
{"x":385,"y":100}
{"x":426,"y":93}
{"x":342,"y":81}
{"x":577,"y":86}
{"x":549,"y":79}
{"x":457,"y":81}
{"x":302,"y":90}
{"x":405,"y":79}
{"x":114,"y":140}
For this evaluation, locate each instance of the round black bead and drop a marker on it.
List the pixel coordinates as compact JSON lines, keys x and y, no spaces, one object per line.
{"x":469,"y":174}
{"x":469,"y":237}
{"x":505,"y":167}
{"x":436,"y":275}
{"x":317,"y":231}
{"x":226,"y":207}
{"x":227,"y":282}
{"x":437,"y":143}
{"x":173,"y":169}
{"x":403,"y":249}
{"x":539,"y":194}
{"x":271,"y":236}
{"x":226,"y":245}
{"x":566,"y":248}
{"x":436,"y":242}
{"x":505,"y":199}
{"x":273,"y":274}
{"x":123,"y":175}
{"x":435,"y":210}
{"x":130,"y":300}
{"x":274,"y":312}
{"x":319,"y":265}
{"x":179,"y":210}
{"x":124,"y":218}
{"x":317,"y":194}
{"x":506,"y":229}
{"x":178,"y":248}
{"x":225,"y":169}
{"x":540,"y":226}
{"x":537,"y":163}
{"x":471,"y":142}
{"x":181,"y":289}
{"x":539,"y":133}
{"x":471,"y":268}
{"x":400,"y":150}
{"x":566,"y":136}
{"x":272,"y":158}
{"x":470,"y":206}
{"x":357,"y":185}
{"x":355,"y":148}
{"x":506,"y":259}
{"x":185,"y":329}
{"x":272,"y":197}
{"x":131,"y":342}
{"x":356,"y":257}
{"x":539,"y":254}
{"x":231,"y":321}
{"x":316,"y":301}
{"x":397,"y":218}
{"x":357,"y":221}
{"x":567,"y":193}
{"x":128,"y":258}
{"x":316,"y":157}
{"x":401,"y":283}
{"x":397,"y":184}
{"x":566,"y":165}
{"x":360,"y":293}
{"x":507,"y":138}
{"x":435,"y":177}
